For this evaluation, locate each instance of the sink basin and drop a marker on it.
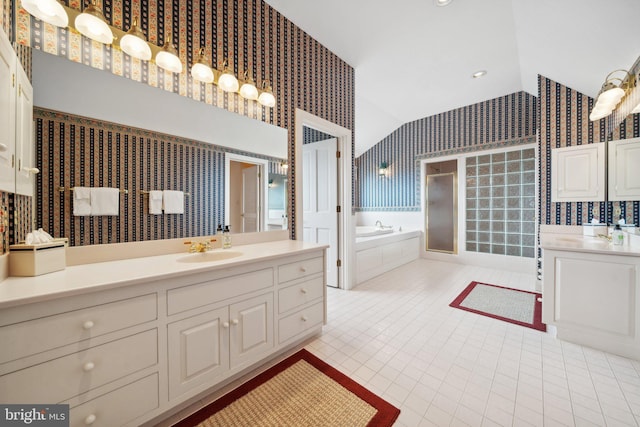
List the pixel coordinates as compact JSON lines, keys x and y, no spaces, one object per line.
{"x":209,"y":256}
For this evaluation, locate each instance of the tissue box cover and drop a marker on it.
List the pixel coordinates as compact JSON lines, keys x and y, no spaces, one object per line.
{"x":37,"y":259}
{"x":594,"y":229}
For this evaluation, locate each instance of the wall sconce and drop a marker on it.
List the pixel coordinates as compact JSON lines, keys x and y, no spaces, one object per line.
{"x":611,"y":93}
{"x":92,"y":24}
{"x":271,"y":185}
{"x":382,"y":170}
{"x":284,"y":165}
{"x":636,"y":110}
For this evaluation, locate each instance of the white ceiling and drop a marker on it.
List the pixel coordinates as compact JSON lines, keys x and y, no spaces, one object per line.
{"x":413,"y":59}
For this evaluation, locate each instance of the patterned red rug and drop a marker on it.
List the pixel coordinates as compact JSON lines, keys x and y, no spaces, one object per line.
{"x":523,"y":308}
{"x":302,"y":390}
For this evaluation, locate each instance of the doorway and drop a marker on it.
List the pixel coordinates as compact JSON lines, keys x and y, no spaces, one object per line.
{"x":441,"y":214}
{"x":245,"y":193}
{"x":320,"y":199}
{"x":343,"y":174}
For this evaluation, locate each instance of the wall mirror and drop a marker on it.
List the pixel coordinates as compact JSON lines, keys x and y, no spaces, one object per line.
{"x":65,"y":86}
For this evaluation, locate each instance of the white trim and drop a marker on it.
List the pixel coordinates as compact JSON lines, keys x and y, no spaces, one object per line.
{"x":264,"y":186}
{"x":345,"y":218}
{"x":512,"y":263}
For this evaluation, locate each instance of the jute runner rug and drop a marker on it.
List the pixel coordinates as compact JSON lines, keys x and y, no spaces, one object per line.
{"x":302,"y":390}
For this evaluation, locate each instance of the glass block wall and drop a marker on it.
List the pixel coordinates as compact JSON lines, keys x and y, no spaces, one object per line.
{"x":500,"y":199}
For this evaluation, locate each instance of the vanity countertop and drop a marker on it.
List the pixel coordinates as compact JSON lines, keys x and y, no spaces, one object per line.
{"x":578,"y":243}
{"x":99,"y":276}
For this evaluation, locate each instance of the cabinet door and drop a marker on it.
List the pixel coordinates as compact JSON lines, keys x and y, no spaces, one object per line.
{"x":251,"y":329}
{"x":25,"y":153}
{"x":7,"y":114}
{"x":624,"y":170}
{"x":198,"y":351}
{"x":577,"y":173}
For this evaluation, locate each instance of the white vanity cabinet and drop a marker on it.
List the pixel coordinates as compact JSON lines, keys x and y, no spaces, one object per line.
{"x":624,"y":169}
{"x":593,"y":298}
{"x":165,"y":340}
{"x":17,"y":161}
{"x":578,"y":173}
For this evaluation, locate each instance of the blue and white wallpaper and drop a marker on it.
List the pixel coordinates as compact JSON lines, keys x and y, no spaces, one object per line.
{"x":500,"y":122}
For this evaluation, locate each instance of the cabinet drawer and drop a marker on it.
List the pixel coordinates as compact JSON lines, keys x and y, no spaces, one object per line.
{"x":188,"y":297}
{"x":300,"y":294}
{"x":35,"y":336}
{"x":119,"y":407}
{"x":299,"y":322}
{"x":61,"y":379}
{"x":296,"y":270}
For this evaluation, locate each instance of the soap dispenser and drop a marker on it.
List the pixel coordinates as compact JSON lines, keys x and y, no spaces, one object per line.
{"x":226,"y":238}
{"x":617,"y":235}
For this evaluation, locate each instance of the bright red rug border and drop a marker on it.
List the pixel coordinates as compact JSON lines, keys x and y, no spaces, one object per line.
{"x":385,"y":416}
{"x":537,"y":309}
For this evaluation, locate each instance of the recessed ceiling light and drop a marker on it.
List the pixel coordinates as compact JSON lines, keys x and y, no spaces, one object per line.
{"x":442,"y":2}
{"x":479,"y":74}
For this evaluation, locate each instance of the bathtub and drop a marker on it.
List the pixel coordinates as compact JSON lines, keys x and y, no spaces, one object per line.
{"x":379,"y":253}
{"x":371,"y":230}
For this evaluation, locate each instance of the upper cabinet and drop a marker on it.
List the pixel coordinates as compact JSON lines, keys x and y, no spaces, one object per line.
{"x":17,"y":162}
{"x":578,"y":173}
{"x":624,"y":169}
{"x":7,"y":114}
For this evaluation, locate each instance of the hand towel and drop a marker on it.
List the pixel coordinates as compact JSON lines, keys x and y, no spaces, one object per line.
{"x":81,"y":201}
{"x":155,"y":202}
{"x":173,"y":202}
{"x":105,"y":201}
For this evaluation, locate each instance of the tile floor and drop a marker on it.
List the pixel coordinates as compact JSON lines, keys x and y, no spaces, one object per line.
{"x":397,"y":335}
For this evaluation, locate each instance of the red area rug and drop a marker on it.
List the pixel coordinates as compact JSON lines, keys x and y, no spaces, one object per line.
{"x":523,"y":308}
{"x":302,"y":390}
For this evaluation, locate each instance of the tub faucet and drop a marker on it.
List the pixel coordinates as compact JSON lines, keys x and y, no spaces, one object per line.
{"x":379,"y":224}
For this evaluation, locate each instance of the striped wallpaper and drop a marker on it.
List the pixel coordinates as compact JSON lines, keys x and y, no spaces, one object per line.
{"x":79,"y":151}
{"x":251,"y":34}
{"x":311,"y":135}
{"x":564,"y":121}
{"x":508,"y":120}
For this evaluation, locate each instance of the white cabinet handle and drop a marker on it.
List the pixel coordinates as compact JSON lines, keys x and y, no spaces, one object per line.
{"x":304,"y":318}
{"x":90,"y":419}
{"x":87,"y":325}
{"x":88,"y":366}
{"x":303,"y":290}
{"x":225,"y":325}
{"x":235,"y":321}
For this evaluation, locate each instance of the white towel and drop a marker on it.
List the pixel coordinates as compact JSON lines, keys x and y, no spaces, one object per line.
{"x":105,"y":201}
{"x":173,"y":202}
{"x":81,"y":201}
{"x":155,"y":202}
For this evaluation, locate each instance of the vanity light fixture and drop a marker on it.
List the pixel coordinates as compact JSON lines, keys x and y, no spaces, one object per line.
{"x":200,"y":71}
{"x":611,"y":93}
{"x":134,"y":42}
{"x":49,"y":11}
{"x":91,"y":23}
{"x":284,"y":165}
{"x":266,"y":98}
{"x":168,"y":58}
{"x":227,"y":81}
{"x":248,"y":90}
{"x":479,"y":74}
{"x":382,"y":170}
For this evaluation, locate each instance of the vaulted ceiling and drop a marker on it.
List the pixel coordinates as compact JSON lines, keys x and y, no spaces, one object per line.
{"x":413,"y":59}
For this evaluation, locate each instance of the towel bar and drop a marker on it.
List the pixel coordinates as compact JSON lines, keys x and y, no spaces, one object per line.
{"x":62,"y":190}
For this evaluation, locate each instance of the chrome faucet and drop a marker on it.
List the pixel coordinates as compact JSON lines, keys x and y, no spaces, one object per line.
{"x":379,"y":224}
{"x":200,"y":246}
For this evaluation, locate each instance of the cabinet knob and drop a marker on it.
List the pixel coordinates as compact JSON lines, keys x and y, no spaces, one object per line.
{"x":234,"y":321}
{"x":303,"y":290}
{"x":225,"y":325}
{"x":88,"y":366}
{"x":3,"y":147}
{"x":90,"y":419}
{"x":304,"y":318}
{"x":302,"y":269}
{"x":87,"y":325}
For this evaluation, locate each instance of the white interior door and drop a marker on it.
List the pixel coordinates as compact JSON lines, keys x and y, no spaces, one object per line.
{"x":250,"y":199}
{"x":320,"y":199}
